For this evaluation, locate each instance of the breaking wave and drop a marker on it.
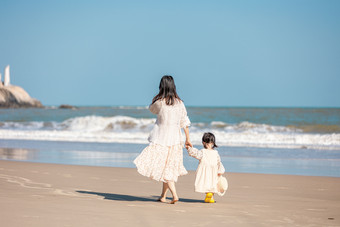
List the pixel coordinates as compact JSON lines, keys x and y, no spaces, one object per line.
{"x":126,"y":129}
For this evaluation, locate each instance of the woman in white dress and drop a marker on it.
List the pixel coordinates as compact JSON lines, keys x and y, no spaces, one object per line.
{"x":162,"y":160}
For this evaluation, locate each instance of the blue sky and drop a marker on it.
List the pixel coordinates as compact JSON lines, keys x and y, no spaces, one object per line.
{"x":221,"y":53}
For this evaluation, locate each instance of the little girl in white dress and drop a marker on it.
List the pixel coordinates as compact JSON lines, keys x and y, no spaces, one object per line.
{"x":209,"y":169}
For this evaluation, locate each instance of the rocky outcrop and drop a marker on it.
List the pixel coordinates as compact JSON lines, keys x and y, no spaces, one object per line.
{"x":65,"y":106}
{"x":16,"y":97}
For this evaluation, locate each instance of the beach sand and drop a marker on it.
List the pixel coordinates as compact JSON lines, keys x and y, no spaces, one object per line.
{"x":35,"y":194}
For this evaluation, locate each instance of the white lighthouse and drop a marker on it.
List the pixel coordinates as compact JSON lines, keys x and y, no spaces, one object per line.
{"x":7,"y":76}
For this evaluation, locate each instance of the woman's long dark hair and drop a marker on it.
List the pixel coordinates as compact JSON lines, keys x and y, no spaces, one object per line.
{"x":167,"y":91}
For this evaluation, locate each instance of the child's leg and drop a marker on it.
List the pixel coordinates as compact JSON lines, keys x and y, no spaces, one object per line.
{"x":172,"y":188}
{"x":164,"y":191}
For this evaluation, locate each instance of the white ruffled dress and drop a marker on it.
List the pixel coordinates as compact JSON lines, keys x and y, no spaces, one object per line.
{"x":162,"y":160}
{"x":208,"y":169}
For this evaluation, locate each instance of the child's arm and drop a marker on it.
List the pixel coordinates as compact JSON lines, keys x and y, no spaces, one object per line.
{"x":220,"y":167}
{"x":195,"y":153}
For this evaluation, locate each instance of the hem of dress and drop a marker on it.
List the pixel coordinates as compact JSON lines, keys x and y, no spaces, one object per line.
{"x":163,"y":180}
{"x":153,"y":178}
{"x":205,"y":191}
{"x":182,"y":173}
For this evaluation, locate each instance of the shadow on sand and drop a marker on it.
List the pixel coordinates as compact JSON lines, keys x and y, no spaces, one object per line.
{"x":120,"y":197}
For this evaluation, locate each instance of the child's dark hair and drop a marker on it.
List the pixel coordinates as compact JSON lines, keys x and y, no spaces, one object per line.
{"x":208,"y":137}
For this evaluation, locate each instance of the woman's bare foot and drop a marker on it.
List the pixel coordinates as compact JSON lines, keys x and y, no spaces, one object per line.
{"x":161,"y":199}
{"x":174,"y":200}
{"x":171,"y":185}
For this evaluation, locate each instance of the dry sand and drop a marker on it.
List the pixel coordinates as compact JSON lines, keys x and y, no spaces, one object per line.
{"x":34,"y":194}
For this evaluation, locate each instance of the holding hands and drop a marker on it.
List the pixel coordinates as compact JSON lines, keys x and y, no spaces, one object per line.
{"x":187,"y":138}
{"x":188,"y":144}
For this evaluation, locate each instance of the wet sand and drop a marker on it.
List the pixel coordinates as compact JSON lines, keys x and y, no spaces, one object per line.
{"x":35,"y":194}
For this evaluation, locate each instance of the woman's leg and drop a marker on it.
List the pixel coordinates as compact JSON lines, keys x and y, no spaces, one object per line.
{"x":171,"y":185}
{"x":164,"y":191}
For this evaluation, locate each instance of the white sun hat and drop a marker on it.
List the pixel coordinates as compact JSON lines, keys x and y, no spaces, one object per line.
{"x":222,"y":185}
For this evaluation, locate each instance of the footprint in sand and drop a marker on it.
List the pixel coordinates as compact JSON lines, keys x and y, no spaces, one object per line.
{"x":63,"y":192}
{"x":68,"y":193}
{"x":24,"y":182}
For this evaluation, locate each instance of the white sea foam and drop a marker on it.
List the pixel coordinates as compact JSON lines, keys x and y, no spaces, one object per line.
{"x":117,"y":123}
{"x":86,"y":124}
{"x":124,"y":129}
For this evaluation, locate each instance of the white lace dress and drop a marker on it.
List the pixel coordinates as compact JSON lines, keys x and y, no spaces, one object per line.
{"x":208,"y":169}
{"x":162,"y":160}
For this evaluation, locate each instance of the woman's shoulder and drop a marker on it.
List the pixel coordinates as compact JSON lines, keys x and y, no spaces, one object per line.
{"x":179,"y":102}
{"x":156,"y":106}
{"x":158,"y":102}
{"x":176,"y":103}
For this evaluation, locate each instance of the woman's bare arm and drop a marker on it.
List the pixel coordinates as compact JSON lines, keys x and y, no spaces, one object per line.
{"x":187,"y":138}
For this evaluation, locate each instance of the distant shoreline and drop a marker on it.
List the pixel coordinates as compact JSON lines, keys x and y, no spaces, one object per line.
{"x":196,"y":106}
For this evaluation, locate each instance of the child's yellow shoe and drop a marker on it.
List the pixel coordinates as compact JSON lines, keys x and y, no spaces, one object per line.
{"x":208,"y":198}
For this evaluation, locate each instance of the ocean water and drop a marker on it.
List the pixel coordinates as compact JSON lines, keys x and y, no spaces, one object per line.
{"x":302,"y":141}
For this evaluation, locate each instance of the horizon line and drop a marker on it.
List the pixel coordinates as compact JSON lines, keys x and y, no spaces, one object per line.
{"x":205,"y":106}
